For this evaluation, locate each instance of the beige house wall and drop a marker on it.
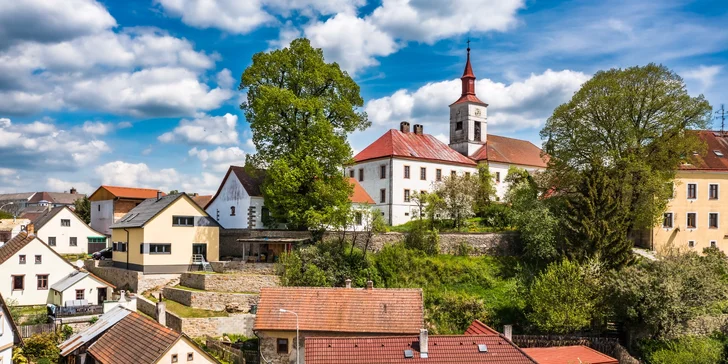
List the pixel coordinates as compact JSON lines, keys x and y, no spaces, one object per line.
{"x":679,"y":235}
{"x":182,"y":348}
{"x":136,"y":237}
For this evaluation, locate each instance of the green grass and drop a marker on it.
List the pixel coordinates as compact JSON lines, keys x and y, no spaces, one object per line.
{"x":189,"y":312}
{"x":472,"y":225}
{"x":74,"y":257}
{"x":32,"y":310}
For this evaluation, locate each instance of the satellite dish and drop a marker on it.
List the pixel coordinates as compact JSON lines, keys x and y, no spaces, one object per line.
{"x":79,"y":263}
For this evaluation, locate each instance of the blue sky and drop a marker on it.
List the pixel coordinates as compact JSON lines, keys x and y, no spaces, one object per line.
{"x":144,"y":92}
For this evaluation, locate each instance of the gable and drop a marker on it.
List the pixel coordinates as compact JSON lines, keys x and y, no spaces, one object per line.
{"x":54,"y":220}
{"x":231,"y":189}
{"x":183,"y":206}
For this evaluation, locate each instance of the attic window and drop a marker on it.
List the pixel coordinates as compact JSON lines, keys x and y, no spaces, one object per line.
{"x":482,"y":348}
{"x":409,"y":354}
{"x":718,"y":153}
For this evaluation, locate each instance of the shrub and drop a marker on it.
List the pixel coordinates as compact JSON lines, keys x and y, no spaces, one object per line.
{"x":497,"y":215}
{"x":688,"y":349}
{"x":452,"y":313}
{"x":463,"y":249}
{"x":67,"y":331}
{"x":42,"y":347}
{"x":423,"y":239}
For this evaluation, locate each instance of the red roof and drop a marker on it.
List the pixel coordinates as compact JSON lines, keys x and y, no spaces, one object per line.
{"x":468,"y":85}
{"x":395,"y":143}
{"x":710,"y":160}
{"x":479,"y":328}
{"x":567,"y":355}
{"x":512,"y":151}
{"x":130,"y":192}
{"x":346,"y":310}
{"x":391,"y":350}
{"x":359,"y":195}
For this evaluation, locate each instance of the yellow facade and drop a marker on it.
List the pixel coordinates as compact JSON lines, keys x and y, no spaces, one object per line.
{"x":683,"y":237}
{"x":161,"y":230}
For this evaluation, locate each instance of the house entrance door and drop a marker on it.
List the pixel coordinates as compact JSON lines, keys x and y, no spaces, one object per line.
{"x":101,"y":295}
{"x":200,"y":249}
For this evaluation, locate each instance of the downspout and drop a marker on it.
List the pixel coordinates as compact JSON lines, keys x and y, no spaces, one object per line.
{"x":391,"y":187}
{"x":127,"y":248}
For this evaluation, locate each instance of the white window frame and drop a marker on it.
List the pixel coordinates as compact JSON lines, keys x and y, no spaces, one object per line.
{"x":686,"y":220}
{"x":713,"y":243}
{"x":672,"y":220}
{"x":718,"y":220}
{"x":691,"y":244}
{"x":687,"y":191}
{"x":718,"y":189}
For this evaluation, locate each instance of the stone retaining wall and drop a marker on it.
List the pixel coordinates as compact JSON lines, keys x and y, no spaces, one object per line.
{"x":129,"y":280}
{"x":233,"y":266}
{"x":219,"y":326}
{"x":215,"y":301}
{"x":228,"y":282}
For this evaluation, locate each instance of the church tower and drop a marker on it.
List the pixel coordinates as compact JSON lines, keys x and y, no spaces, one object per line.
{"x":468,"y":116}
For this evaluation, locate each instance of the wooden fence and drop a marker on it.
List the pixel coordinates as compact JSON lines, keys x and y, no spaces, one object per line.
{"x":225,"y":352}
{"x":606,"y":345}
{"x":30,"y":330}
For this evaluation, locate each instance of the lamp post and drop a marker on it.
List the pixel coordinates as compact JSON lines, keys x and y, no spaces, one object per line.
{"x":298,"y":346}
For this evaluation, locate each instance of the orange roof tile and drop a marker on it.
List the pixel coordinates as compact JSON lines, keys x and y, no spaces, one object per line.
{"x":347,"y":310}
{"x":359,"y":195}
{"x":568,"y":355}
{"x":131,"y":192}
{"x":395,"y":143}
{"x":479,"y":328}
{"x":710,"y":160}
{"x":201,"y":201}
{"x":459,"y":349}
{"x":511,"y":151}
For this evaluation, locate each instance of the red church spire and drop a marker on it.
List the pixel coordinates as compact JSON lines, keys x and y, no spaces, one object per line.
{"x":468,"y":81}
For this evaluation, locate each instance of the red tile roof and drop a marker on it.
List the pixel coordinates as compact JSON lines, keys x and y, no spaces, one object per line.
{"x":468,"y":98}
{"x":359,"y":195}
{"x":201,"y":201}
{"x":390,"y":350}
{"x":14,"y":245}
{"x":568,"y":355}
{"x":511,"y":151}
{"x":710,"y":160}
{"x":479,"y":328}
{"x":346,"y":310}
{"x":130,"y":192}
{"x":395,"y":143}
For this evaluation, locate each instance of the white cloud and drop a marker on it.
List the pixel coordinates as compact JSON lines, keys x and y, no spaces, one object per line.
{"x":703,"y":74}
{"x":286,"y":34}
{"x":214,"y":130}
{"x":225,"y":79}
{"x":121,"y":173}
{"x":429,"y":21}
{"x":352,"y":42}
{"x":219,"y":159}
{"x":36,"y":128}
{"x":124,"y":125}
{"x":97,"y":127}
{"x":55,"y":184}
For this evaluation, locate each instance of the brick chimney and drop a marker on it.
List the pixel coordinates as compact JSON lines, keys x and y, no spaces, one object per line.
{"x":404,"y":127}
{"x":419,"y":129}
{"x":73,"y":190}
{"x":30,"y":228}
{"x":348,"y":283}
{"x":161,"y":312}
{"x":370,"y":285}
{"x":424,"y":349}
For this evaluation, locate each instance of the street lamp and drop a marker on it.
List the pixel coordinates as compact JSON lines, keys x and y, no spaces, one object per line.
{"x":298,"y":346}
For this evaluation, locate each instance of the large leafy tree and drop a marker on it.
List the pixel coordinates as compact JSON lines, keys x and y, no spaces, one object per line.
{"x":457,"y":197}
{"x":300,"y":110}
{"x":635,"y":122}
{"x":82,"y":207}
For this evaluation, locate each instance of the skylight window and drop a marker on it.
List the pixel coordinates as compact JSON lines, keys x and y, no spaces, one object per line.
{"x":409,"y":354}
{"x":482,"y":348}
{"x":718,"y":153}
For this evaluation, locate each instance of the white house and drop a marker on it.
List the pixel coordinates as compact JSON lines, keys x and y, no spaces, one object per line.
{"x":33,"y":268}
{"x":11,"y":227}
{"x":9,"y":335}
{"x":66,"y":233}
{"x":402,"y":162}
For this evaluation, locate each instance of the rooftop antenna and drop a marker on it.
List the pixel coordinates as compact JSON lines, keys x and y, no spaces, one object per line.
{"x":721,"y":114}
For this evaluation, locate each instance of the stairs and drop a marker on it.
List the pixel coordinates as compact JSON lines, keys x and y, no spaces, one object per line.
{"x":199,"y":259}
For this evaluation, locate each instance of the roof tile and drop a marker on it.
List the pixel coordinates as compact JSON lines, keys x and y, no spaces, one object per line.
{"x":131,"y":192}
{"x":715,"y":141}
{"x":511,"y":151}
{"x":568,"y":355}
{"x":359,"y":195}
{"x":479,"y":328}
{"x":395,"y":143}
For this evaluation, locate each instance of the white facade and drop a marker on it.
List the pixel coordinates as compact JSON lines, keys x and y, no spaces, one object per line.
{"x":89,"y":289}
{"x":102,"y":215}
{"x":182,"y":349}
{"x":230,"y":207}
{"x":468,"y":127}
{"x":14,"y":226}
{"x":7,"y":338}
{"x":64,"y":228}
{"x":50,"y":265}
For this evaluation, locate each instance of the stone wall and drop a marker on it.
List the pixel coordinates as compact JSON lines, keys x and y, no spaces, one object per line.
{"x":218,"y":326}
{"x":215,"y":301}
{"x":129,"y":280}
{"x":236,"y":283}
{"x":243,"y":267}
{"x":706,"y":325}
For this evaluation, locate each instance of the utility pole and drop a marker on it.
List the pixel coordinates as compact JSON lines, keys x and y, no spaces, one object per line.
{"x":721,"y":114}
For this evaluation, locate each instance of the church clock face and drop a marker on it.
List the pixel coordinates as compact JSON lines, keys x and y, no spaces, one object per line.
{"x":477,"y":112}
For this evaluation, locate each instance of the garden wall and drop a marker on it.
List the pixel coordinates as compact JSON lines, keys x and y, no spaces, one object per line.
{"x":215,"y":301}
{"x":236,"y":283}
{"x":129,"y":280}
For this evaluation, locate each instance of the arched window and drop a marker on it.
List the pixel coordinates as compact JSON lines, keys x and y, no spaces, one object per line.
{"x":232,"y":210}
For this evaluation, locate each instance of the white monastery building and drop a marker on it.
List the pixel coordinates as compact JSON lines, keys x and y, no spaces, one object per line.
{"x":403,"y":161}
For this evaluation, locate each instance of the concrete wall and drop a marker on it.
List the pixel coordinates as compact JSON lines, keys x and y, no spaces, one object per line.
{"x":235,"y":283}
{"x":215,"y":301}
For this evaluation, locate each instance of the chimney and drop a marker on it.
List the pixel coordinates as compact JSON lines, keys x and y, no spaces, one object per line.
{"x":161,"y":312}
{"x":348,"y":283}
{"x":122,"y":296}
{"x":404,"y":127}
{"x":73,"y":190}
{"x":370,"y":285}
{"x":159,"y":195}
{"x":418,"y":129}
{"x":508,"y":332}
{"x":30,"y":229}
{"x":424,"y":349}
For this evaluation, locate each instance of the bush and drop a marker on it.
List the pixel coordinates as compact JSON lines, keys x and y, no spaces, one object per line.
{"x":688,"y":349}
{"x":423,"y":239}
{"x":450,"y":312}
{"x":463,"y":249}
{"x":42,"y":347}
{"x":497,"y":215}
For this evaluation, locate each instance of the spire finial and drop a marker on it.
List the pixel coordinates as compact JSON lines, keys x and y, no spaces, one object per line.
{"x":468,"y":45}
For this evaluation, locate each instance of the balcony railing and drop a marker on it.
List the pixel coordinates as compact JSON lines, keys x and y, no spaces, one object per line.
{"x":70,"y":311}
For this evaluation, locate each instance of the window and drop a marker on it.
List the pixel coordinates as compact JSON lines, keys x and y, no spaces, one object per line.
{"x":21,"y":259}
{"x":713,"y":220}
{"x":183,"y":221}
{"x":713,"y":191}
{"x":65,"y":222}
{"x":692,"y":220}
{"x":98,"y":207}
{"x":119,"y":247}
{"x":160,"y":248}
{"x":361,"y":174}
{"x":232,"y":210}
{"x":406,"y":195}
{"x":175,"y":358}
{"x":80,"y":294}
{"x":459,"y":125}
{"x":190,"y":356}
{"x":383,"y":171}
{"x":18,"y":283}
{"x":667,"y":220}
{"x":691,"y":244}
{"x":351,"y":173}
{"x":52,"y":241}
{"x":38,"y":259}
{"x":358,"y":217}
{"x":692,"y":191}
{"x":497,"y":177}
{"x":42,"y":281}
{"x":423,"y":173}
{"x":282,"y":345}
{"x":96,"y":240}
{"x":406,"y":172}
{"x":477,"y":130}
{"x":453,"y":173}
{"x":382,"y":195}
{"x":73,"y":241}
{"x":438,"y":174}
{"x":713,"y":244}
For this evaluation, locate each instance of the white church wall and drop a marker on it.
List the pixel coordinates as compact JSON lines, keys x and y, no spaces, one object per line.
{"x":373,"y":183}
{"x":232,"y":194}
{"x":501,"y":170}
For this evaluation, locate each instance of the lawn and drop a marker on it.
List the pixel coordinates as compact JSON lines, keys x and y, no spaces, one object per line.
{"x":189,"y":312}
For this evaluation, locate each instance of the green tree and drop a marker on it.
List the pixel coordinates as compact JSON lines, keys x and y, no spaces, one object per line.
{"x":637,"y":123}
{"x":485,"y":193}
{"x":300,"y":110}
{"x":537,"y":225}
{"x":82,"y":208}
{"x":173,"y":192}
{"x":688,"y":349}
{"x":563,"y":299}
{"x":457,"y":197}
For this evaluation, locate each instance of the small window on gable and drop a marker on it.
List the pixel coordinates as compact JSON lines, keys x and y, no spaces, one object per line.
{"x":183,"y":221}
{"x":190,"y":356}
{"x":38,"y":259}
{"x":497,"y":177}
{"x":21,"y":259}
{"x":65,"y":222}
{"x":175,"y":358}
{"x":232,"y":210}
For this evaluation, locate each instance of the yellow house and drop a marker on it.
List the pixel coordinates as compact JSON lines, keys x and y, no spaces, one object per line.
{"x":697,"y":214}
{"x":167,"y":234}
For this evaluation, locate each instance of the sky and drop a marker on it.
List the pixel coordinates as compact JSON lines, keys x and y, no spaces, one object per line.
{"x":144,"y":93}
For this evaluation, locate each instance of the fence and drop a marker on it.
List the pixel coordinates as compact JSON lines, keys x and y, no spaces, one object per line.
{"x":30,"y":330}
{"x":606,"y":345}
{"x":225,"y":352}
